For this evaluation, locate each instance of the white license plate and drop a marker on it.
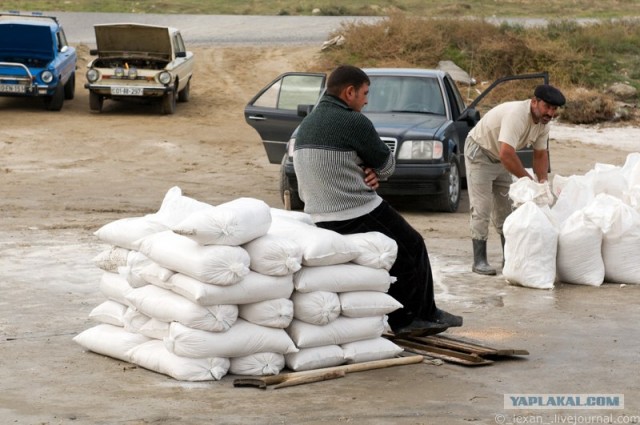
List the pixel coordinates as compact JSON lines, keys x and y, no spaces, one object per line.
{"x":13,"y":88}
{"x":126,"y":91}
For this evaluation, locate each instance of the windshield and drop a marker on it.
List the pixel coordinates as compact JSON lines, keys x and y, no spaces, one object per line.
{"x":405,"y":94}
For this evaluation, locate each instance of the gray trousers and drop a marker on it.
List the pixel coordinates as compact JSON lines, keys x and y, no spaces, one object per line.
{"x":488,"y":187}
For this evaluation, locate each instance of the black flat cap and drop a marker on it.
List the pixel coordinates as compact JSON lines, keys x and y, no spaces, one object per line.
{"x":549,"y":94}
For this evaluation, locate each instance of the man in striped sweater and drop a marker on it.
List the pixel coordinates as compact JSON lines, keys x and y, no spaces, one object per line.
{"x":339,"y":159}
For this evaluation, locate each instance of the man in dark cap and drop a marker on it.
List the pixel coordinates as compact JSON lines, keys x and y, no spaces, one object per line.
{"x":491,"y":161}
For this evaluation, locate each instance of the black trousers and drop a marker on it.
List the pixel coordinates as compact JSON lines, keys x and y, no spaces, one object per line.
{"x":414,"y":287}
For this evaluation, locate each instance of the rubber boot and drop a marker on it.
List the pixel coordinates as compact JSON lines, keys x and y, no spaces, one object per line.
{"x":480,"y":264}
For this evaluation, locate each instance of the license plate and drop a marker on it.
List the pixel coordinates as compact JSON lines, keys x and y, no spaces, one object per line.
{"x":127,"y":91}
{"x":13,"y":88}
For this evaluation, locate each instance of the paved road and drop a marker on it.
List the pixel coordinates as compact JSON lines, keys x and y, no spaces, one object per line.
{"x":216,"y":29}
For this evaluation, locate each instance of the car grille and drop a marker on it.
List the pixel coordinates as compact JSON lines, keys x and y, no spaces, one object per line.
{"x":391,"y":142}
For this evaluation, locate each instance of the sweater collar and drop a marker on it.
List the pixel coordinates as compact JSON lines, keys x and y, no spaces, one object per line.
{"x":336,"y":101}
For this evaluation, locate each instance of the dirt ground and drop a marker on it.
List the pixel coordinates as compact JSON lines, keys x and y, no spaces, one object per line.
{"x":65,"y":174}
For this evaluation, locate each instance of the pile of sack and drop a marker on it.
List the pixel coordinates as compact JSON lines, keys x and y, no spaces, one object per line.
{"x":196,"y":291}
{"x":586,"y":230}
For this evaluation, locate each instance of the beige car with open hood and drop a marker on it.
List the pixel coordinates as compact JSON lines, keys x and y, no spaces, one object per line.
{"x":139,"y":62}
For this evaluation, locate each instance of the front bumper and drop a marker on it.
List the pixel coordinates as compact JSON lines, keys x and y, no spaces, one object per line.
{"x":407,"y":180}
{"x":22,"y":85}
{"x":124,"y":91}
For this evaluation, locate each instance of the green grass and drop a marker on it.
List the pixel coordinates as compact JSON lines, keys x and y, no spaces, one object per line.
{"x":433,"y":8}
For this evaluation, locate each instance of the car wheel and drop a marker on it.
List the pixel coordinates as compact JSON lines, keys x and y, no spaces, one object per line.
{"x":70,"y":87}
{"x":95,"y":101}
{"x":183,"y":96}
{"x":449,"y":200}
{"x":285,"y":186}
{"x":55,"y":101}
{"x":169,"y":103}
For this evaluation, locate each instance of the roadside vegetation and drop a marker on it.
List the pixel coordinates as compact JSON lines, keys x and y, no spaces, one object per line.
{"x":595,"y":62}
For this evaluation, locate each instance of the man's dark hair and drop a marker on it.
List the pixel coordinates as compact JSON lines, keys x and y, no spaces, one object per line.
{"x":345,"y":76}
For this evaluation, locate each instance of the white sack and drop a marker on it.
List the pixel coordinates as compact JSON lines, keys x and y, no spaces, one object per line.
{"x":607,"y":179}
{"x":576,"y":194}
{"x":367,"y":303}
{"x":531,"y":244}
{"x":167,"y":306}
{"x":369,"y":350}
{"x":232,"y":223}
{"x":340,"y":331}
{"x":320,"y":247}
{"x":258,"y":364}
{"x":110,"y":312}
{"x":157,"y":275}
{"x":109,"y":340}
{"x":303,"y":217}
{"x":134,"y":320}
{"x":342,"y":278}
{"x":525,"y":190}
{"x":276,"y":313}
{"x":274,"y":255}
{"x":153,"y":355}
{"x":242,"y":339}
{"x":176,"y":207}
{"x":315,"y":358}
{"x":317,"y":307}
{"x":579,"y":257}
{"x":621,"y":246}
{"x":253,"y":288}
{"x":126,"y":231}
{"x":115,"y":287}
{"x":216,"y":264}
{"x":375,"y":249}
{"x":136,"y":262}
{"x":154,"y":328}
{"x":111,"y":258}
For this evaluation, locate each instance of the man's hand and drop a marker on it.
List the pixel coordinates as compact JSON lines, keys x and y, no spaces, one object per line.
{"x":371,"y":178}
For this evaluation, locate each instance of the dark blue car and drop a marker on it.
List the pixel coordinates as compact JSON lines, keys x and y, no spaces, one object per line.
{"x":35,"y":59}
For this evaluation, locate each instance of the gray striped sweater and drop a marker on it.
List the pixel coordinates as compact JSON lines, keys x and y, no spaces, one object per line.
{"x":333,"y":145}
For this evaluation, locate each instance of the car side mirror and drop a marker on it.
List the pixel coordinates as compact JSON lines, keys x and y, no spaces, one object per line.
{"x":304,"y":110}
{"x":471,"y":116}
{"x":64,"y":49}
{"x":93,"y":52}
{"x":181,"y":54}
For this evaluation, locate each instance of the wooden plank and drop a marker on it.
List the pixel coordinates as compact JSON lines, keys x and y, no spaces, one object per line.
{"x":443,"y":353}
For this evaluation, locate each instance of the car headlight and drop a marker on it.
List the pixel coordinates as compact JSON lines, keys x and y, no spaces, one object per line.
{"x":421,"y":149}
{"x":46,"y":76}
{"x":291,"y":147}
{"x":92,"y":75}
{"x":164,"y":77}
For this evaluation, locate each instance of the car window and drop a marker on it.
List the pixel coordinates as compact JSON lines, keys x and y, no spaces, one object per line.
{"x":291,"y":91}
{"x":405,"y":94}
{"x":62,"y":40}
{"x":456,"y":102}
{"x":179,"y":43}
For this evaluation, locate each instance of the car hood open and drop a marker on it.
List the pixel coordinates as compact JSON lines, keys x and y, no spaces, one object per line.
{"x":114,"y":40}
{"x":404,"y":124}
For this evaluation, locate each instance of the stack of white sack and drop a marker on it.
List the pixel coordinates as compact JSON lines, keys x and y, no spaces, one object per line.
{"x":184,"y":297}
{"x":596,"y":221}
{"x":599,"y":214}
{"x":340,"y":300}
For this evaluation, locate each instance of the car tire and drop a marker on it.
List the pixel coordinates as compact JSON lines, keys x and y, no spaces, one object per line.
{"x":184,"y":94}
{"x":95,"y":101}
{"x":285,"y":185}
{"x":449,"y":200}
{"x":169,"y":103}
{"x":70,"y":87}
{"x":55,"y":101}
